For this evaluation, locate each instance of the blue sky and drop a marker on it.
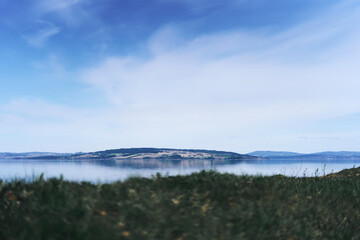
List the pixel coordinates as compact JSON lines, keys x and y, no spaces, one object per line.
{"x":238,"y":75}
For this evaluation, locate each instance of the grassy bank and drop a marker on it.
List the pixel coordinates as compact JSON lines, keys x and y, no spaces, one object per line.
{"x":205,"y":205}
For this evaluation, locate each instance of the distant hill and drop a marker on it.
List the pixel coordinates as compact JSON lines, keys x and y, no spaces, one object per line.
{"x":320,"y":155}
{"x":273,"y":153}
{"x":26,"y":155}
{"x":339,"y":153}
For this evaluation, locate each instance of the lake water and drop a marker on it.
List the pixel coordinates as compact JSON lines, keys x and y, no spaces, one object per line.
{"x":110,"y":170}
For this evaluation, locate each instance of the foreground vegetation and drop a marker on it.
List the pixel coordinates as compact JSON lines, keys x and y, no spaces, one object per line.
{"x":205,"y":205}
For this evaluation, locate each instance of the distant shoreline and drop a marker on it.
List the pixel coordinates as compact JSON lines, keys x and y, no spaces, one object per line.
{"x":180,"y":154}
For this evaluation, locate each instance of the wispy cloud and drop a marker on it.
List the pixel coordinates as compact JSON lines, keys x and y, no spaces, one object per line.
{"x":295,"y":73}
{"x":45,"y":31}
{"x":199,"y":6}
{"x":50,"y":64}
{"x":46,"y":6}
{"x":70,"y":13}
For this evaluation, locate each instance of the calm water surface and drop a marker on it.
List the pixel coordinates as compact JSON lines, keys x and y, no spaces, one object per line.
{"x":110,"y":170}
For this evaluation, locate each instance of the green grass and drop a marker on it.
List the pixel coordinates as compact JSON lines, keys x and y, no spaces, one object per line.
{"x":205,"y":205}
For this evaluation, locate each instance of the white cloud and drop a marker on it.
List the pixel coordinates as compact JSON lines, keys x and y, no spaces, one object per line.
{"x":236,"y":82}
{"x":243,"y":72}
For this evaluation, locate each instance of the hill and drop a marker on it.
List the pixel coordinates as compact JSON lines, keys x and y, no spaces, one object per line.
{"x":161,"y":153}
{"x":29,"y":155}
{"x":274,"y":154}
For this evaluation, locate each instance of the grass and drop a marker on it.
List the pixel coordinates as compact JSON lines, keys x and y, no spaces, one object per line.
{"x":206,"y":205}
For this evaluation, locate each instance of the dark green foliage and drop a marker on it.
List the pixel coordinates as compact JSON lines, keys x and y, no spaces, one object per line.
{"x":205,"y":205}
{"x":130,"y":151}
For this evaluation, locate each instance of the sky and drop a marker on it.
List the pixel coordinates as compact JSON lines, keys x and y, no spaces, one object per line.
{"x":235,"y":75}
